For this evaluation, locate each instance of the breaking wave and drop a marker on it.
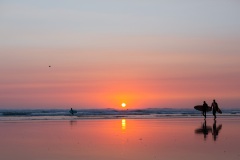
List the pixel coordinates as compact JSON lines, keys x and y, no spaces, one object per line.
{"x":105,"y":113}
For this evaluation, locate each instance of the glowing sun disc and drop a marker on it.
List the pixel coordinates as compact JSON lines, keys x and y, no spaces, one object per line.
{"x":123,"y":105}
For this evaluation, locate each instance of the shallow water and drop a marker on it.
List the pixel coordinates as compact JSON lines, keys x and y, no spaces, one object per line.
{"x":149,"y":113}
{"x":121,"y":139}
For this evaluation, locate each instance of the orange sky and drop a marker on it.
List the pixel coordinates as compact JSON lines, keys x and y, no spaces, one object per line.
{"x":103,"y":54}
{"x":93,"y":79}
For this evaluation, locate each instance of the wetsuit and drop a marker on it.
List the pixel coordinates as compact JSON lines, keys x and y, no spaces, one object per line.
{"x":205,"y":106}
{"x":214,"y":109}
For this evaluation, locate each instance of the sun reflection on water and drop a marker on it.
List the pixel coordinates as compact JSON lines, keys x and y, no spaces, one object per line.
{"x":123,"y":124}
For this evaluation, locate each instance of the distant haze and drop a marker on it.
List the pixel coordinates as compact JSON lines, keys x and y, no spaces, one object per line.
{"x":99,"y":54}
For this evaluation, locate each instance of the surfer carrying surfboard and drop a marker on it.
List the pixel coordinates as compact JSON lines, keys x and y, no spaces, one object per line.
{"x":204,"y":111}
{"x":214,"y":108}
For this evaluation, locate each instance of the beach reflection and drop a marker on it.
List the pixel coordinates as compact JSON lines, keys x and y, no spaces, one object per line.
{"x":205,"y":129}
{"x":118,"y":139}
{"x":73,"y":122}
{"x":123,"y":124}
{"x":216,"y":130}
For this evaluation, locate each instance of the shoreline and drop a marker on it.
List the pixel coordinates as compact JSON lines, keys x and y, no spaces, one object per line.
{"x":111,"y":117}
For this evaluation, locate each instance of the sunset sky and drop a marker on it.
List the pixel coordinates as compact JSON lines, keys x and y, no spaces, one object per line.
{"x":146,"y":53}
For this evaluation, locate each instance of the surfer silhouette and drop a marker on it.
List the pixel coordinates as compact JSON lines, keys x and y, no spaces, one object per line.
{"x":71,"y":111}
{"x":205,"y":106}
{"x":214,"y":108}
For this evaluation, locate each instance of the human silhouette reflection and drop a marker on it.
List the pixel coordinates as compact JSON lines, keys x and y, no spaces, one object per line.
{"x":73,"y":122}
{"x":204,"y":129}
{"x":216,"y":130}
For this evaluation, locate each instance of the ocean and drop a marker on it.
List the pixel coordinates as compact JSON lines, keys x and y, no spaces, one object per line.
{"x":63,"y":114}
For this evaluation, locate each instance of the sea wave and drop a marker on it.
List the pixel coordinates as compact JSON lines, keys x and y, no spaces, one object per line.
{"x":110,"y":113}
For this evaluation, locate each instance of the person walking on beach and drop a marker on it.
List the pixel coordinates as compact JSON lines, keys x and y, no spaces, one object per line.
{"x":205,"y":106}
{"x":214,"y":108}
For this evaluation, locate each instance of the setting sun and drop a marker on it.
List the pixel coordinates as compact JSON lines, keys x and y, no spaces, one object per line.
{"x":123,"y":105}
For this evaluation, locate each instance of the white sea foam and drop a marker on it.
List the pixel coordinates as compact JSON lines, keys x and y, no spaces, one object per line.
{"x":62,"y":114}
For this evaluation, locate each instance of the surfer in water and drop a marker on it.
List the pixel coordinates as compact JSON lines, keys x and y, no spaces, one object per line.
{"x":71,"y":111}
{"x":214,"y":108}
{"x":205,"y":106}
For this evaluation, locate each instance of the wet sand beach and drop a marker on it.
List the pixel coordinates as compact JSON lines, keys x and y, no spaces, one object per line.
{"x":121,"y":139}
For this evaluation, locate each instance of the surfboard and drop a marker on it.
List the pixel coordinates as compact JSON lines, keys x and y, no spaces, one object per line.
{"x":219,"y":111}
{"x":72,"y":111}
{"x":200,"y":108}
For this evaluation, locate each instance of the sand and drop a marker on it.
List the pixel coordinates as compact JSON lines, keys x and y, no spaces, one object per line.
{"x":121,"y":139}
